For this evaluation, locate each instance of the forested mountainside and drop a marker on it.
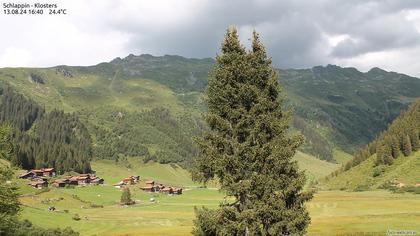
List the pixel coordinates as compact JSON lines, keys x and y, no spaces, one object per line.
{"x":44,"y":139}
{"x":335,"y":107}
{"x":393,"y":156}
{"x":153,"y":134}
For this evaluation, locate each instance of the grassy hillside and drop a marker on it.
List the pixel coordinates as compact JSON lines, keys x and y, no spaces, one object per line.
{"x":341,"y":157}
{"x":167,"y":174}
{"x":315,"y":168}
{"x":368,"y":176}
{"x":392,"y":158}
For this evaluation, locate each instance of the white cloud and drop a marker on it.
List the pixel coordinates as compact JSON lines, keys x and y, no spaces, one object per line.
{"x":15,"y":57}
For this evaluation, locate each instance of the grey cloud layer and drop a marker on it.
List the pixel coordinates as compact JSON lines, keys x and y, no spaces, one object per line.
{"x":298,"y":33}
{"x":294,"y":31}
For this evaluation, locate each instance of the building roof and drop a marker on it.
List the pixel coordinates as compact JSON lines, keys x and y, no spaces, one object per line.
{"x":146,"y":187}
{"x":97,"y":179}
{"x":38,"y":182}
{"x":25,"y":174}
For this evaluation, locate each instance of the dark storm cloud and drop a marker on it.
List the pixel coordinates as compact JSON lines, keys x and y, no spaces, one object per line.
{"x":296,"y":33}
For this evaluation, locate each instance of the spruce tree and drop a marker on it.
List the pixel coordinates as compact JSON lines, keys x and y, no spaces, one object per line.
{"x":126,"y":197}
{"x":395,"y":147}
{"x":249,"y":149}
{"x":406,"y":145}
{"x":414,"y":137}
{"x":9,"y":202}
{"x":380,"y":150}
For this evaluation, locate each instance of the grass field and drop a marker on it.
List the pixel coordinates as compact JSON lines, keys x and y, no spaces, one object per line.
{"x":332,"y":212}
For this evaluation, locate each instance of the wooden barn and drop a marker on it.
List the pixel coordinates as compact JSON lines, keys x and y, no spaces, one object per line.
{"x":60,"y":183}
{"x":39,"y":184}
{"x":97,"y":181}
{"x":27,"y":175}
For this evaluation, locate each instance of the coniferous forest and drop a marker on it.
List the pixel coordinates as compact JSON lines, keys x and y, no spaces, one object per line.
{"x":44,"y":139}
{"x":401,"y":138}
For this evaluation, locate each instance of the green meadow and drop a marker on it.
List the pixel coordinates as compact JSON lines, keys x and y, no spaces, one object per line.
{"x":332,"y":212}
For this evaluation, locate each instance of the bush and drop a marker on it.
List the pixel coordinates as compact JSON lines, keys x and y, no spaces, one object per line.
{"x":93,"y":205}
{"x":361,"y":188}
{"x":377,"y":171}
{"x":76,"y":217}
{"x":126,"y":197}
{"x":25,"y":227}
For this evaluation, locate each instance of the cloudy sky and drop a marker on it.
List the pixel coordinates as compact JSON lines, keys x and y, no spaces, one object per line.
{"x":297,"y":34}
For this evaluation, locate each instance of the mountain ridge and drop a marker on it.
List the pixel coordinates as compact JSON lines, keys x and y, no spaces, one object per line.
{"x":338,"y":107}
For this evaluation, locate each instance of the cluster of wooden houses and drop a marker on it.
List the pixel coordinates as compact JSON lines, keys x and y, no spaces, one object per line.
{"x":82,"y":180}
{"x":39,"y":177}
{"x":131,"y":180}
{"x":44,"y":172}
{"x":152,"y":187}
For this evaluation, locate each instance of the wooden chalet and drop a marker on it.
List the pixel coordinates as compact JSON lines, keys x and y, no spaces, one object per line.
{"x":131,"y":180}
{"x":151,"y":186}
{"x":150,"y":183}
{"x":171,"y":190}
{"x":83,"y":180}
{"x":167,"y":190}
{"x":136,"y":178}
{"x":150,"y":189}
{"x":60,"y":183}
{"x":48,"y":172}
{"x":128,"y":180}
{"x":97,"y":181}
{"x":38,"y":172}
{"x":39,"y":184}
{"x":177,"y":191}
{"x":44,"y":172}
{"x":73,"y":180}
{"x":27,"y":175}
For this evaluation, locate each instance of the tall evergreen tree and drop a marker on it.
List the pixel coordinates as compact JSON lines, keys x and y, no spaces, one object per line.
{"x":9,"y":202}
{"x":126,"y":197}
{"x":249,"y":149}
{"x":414,"y":137}
{"x":406,"y":145}
{"x":395,"y":147}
